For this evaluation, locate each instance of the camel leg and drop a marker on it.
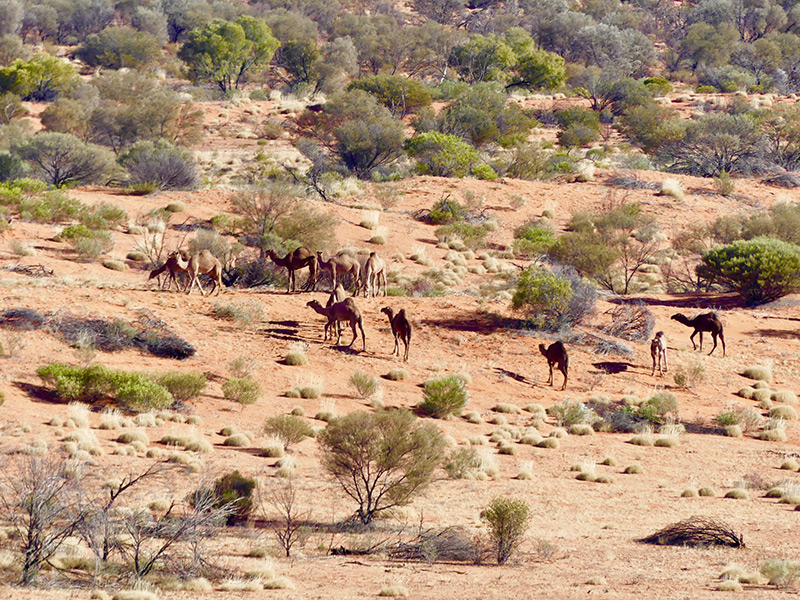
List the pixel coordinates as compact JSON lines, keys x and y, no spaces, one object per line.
{"x":355,"y":335}
{"x":713,"y":337}
{"x":550,"y":380}
{"x":691,"y":338}
{"x":701,"y":341}
{"x":405,"y":356}
{"x":722,"y":339}
{"x":396,"y":351}
{"x":564,"y":371}
{"x":363,"y":337}
{"x":666,"y":367}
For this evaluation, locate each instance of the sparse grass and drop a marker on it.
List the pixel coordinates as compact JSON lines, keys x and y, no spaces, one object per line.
{"x":327,"y":410}
{"x":672,"y":187}
{"x":609,"y":461}
{"x":188,"y":441}
{"x":581,"y":429}
{"x":729,"y":586}
{"x":473,"y":417}
{"x":128,"y":437}
{"x":707,"y":492}
{"x":759,"y":373}
{"x":746,"y":392}
{"x":550,"y":443}
{"x":237,"y":440}
{"x":79,"y":413}
{"x":790,"y":464}
{"x":763,"y":395}
{"x":569,"y":412}
{"x":781,"y":573}
{"x":463,"y":463}
{"x":394,"y":591}
{"x":689,"y":493}
{"x":511,"y":409}
{"x":287,"y":428}
{"x":249,"y":313}
{"x":183,"y":386}
{"x":295,"y":358}
{"x":734,"y":431}
{"x":311,"y":391}
{"x":641,"y":440}
{"x":666,"y":442}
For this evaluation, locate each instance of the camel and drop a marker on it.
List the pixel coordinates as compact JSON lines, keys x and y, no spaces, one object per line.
{"x":177,"y":262}
{"x":401,"y":328}
{"x":341,"y":311}
{"x":658,"y":349}
{"x":340,"y":265}
{"x":372,"y":274}
{"x":556,"y":354}
{"x":294,"y":261}
{"x":337,"y":295}
{"x":204,"y":262}
{"x":704,"y":322}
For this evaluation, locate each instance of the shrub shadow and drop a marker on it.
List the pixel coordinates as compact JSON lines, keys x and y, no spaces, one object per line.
{"x":612,"y":367}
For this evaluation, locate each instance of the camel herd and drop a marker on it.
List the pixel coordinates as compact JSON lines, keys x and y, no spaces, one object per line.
{"x":368,"y":278}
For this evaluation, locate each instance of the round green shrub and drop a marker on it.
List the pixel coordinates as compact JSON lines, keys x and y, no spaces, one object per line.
{"x":242,"y":390}
{"x":444,"y":397}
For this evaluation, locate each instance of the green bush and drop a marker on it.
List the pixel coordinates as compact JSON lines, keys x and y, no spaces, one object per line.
{"x":658,"y":406}
{"x":242,"y":390}
{"x":236,"y":490}
{"x":569,"y":412}
{"x":533,"y":239}
{"x":139,"y":393}
{"x":781,"y":573}
{"x":578,"y":126}
{"x":287,"y":428}
{"x":444,"y":397}
{"x":380,"y":459}
{"x":442,"y":154}
{"x":472,"y":236}
{"x":543,"y":295}
{"x":117,"y":47}
{"x":161,"y":164}
{"x":63,"y":159}
{"x":447,"y":211}
{"x":463,"y":462}
{"x":507,"y":519}
{"x":760,"y":270}
{"x":40,"y":79}
{"x":484,"y":172}
{"x":366,"y":385}
{"x":659,"y":86}
{"x":401,"y":95}
{"x":182,"y":386}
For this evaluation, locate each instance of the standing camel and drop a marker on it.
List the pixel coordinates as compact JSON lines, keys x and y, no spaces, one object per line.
{"x":658,"y":350}
{"x":341,"y":311}
{"x":294,"y":261}
{"x":204,"y":262}
{"x":372,"y":275}
{"x":401,"y":328}
{"x":340,"y":265}
{"x":337,"y":295}
{"x":177,"y":262}
{"x":556,"y":354}
{"x":708,"y":321}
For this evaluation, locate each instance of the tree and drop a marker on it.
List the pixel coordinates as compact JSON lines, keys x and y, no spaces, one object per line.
{"x":543,"y":295}
{"x":11,"y":12}
{"x":507,"y":519}
{"x":401,"y":95}
{"x":483,"y":58}
{"x":442,"y":154}
{"x":380,"y":459}
{"x":578,"y":126}
{"x":443,"y":12}
{"x":760,"y":270}
{"x":62,"y":159}
{"x":117,"y":47}
{"x":291,"y":526}
{"x":168,"y":167}
{"x":223,"y":52}
{"x":40,"y":79}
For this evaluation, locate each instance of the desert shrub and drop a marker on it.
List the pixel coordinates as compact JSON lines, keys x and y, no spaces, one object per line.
{"x":182,"y":386}
{"x":578,"y":126}
{"x":160,"y":164}
{"x":117,"y":47}
{"x":441,"y":154}
{"x":242,"y":390}
{"x":569,"y":412}
{"x":63,"y":159}
{"x":380,"y":459}
{"x":760,"y":270}
{"x":545,"y":296}
{"x":295,"y":358}
{"x":41,"y":79}
{"x":462,"y":463}
{"x":444,"y":397}
{"x":781,"y":573}
{"x":446,"y":211}
{"x":658,"y":406}
{"x":691,"y":375}
{"x":507,"y":519}
{"x":137,"y":392}
{"x":759,"y":373}
{"x":233,"y":488}
{"x":397,"y":375}
{"x":471,"y":235}
{"x":533,"y":239}
{"x":631,"y":321}
{"x":366,"y":385}
{"x":11,"y":167}
{"x":288,"y":428}
{"x":787,"y":413}
{"x":246,"y":313}
{"x":401,"y":95}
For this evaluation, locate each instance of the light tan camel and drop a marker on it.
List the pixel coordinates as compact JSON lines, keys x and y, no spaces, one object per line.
{"x":177,"y":262}
{"x":341,"y":311}
{"x":704,"y":322}
{"x":294,"y":261}
{"x":337,"y":295}
{"x":204,"y":262}
{"x":372,"y":274}
{"x":401,"y":328}
{"x":658,"y":350}
{"x":556,"y":354}
{"x":340,"y":265}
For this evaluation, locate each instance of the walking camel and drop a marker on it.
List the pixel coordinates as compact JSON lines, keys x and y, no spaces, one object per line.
{"x":658,"y":350}
{"x":556,"y":354}
{"x":177,"y":262}
{"x":204,"y":262}
{"x":340,"y":265}
{"x":709,"y":322}
{"x":294,"y":261}
{"x":401,"y":329}
{"x":372,"y":275}
{"x":341,"y":311}
{"x":337,"y":295}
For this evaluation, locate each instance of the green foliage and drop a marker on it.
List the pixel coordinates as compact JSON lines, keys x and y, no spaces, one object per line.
{"x":287,"y":428}
{"x":659,"y":86}
{"x":579,"y":126}
{"x":401,"y":95}
{"x":63,"y":159}
{"x":658,"y":406}
{"x":781,"y":573}
{"x":117,"y":47}
{"x":533,"y":239}
{"x":183,"y":386}
{"x":482,"y":58}
{"x":472,"y":236}
{"x":41,"y":79}
{"x":447,"y":211}
{"x":760,"y":270}
{"x":508,"y":520}
{"x":91,"y":246}
{"x":380,"y":459}
{"x":463,"y":462}
{"x":160,"y":163}
{"x":137,"y":392}
{"x":442,"y":154}
{"x":11,"y":167}
{"x":444,"y":397}
{"x":366,"y":385}
{"x":543,"y":295}
{"x":224,"y":51}
{"x":238,"y":489}
{"x":570,"y":412}
{"x":649,"y":126}
{"x":539,"y":70}
{"x":484,"y":172}
{"x":242,"y":390}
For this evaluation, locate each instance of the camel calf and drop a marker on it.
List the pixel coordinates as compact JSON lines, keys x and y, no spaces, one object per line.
{"x":556,"y":354}
{"x":204,"y":262}
{"x":341,"y":311}
{"x":401,"y":328}
{"x":177,"y":262}
{"x":658,"y":350}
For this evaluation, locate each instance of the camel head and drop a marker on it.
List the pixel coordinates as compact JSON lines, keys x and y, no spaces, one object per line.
{"x":313,"y":304}
{"x":388,"y":311}
{"x":542,"y":349}
{"x":678,"y":317}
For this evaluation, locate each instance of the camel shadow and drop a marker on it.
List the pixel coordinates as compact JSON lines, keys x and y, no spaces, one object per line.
{"x":514,"y":376}
{"x":475,"y":322}
{"x":612,"y":367}
{"x":777,"y":333}
{"x":698,"y":301}
{"x":39,"y":393}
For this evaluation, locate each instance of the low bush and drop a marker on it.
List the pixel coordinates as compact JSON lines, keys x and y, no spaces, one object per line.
{"x":507,"y":519}
{"x":463,"y":463}
{"x":159,"y":164}
{"x":242,"y":390}
{"x":658,"y":406}
{"x":287,"y":428}
{"x":182,"y":386}
{"x":444,"y":397}
{"x":759,"y":373}
{"x":238,"y":489}
{"x":569,"y":412}
{"x":366,"y":385}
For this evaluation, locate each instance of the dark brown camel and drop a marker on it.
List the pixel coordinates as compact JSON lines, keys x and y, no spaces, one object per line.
{"x":658,"y":350}
{"x":401,"y":328}
{"x":294,"y":261}
{"x":177,"y":262}
{"x":556,"y":354}
{"x":341,"y":311}
{"x":704,"y":322}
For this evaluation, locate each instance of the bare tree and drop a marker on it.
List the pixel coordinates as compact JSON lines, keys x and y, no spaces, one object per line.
{"x":291,"y":525}
{"x":42,"y":498}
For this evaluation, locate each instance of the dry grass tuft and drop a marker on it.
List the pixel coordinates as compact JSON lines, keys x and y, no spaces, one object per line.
{"x":737,"y":494}
{"x":759,"y":373}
